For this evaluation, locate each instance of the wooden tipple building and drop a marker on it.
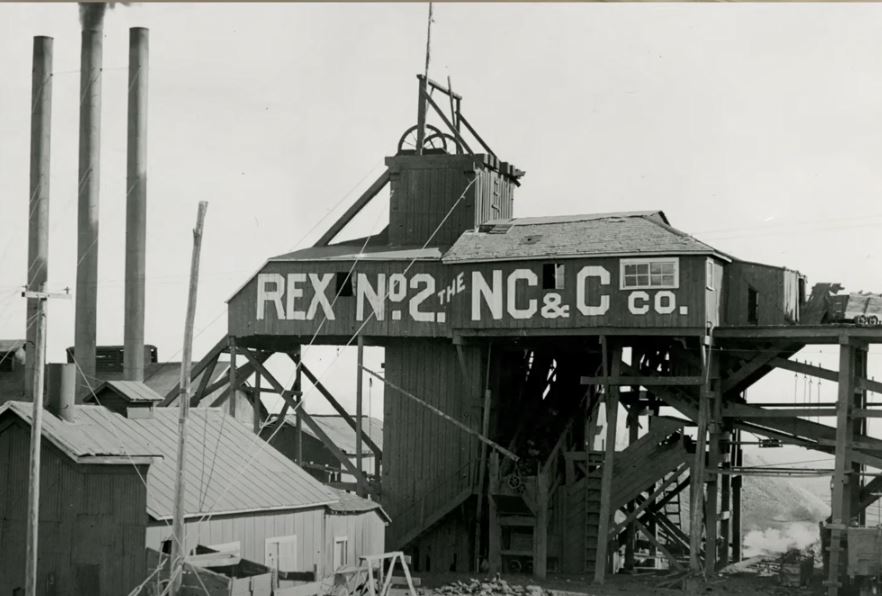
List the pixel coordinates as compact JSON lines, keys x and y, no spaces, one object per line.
{"x":503,"y":337}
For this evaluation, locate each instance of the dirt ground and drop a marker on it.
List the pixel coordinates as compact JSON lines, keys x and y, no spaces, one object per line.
{"x":644,"y":584}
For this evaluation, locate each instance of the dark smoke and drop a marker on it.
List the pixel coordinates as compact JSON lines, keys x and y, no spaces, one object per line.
{"x":92,"y":14}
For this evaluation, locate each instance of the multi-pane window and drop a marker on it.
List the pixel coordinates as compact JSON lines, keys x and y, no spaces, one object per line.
{"x":649,"y":273}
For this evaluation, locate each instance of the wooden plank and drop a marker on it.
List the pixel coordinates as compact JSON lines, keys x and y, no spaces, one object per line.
{"x":354,"y":210}
{"x":475,"y":134}
{"x":658,"y":546}
{"x":612,"y":411}
{"x":662,"y":487}
{"x":809,"y":334}
{"x":840,"y":501}
{"x":338,"y":407}
{"x":494,"y":530}
{"x":540,"y":530}
{"x":781,"y":413}
{"x":698,"y":477}
{"x":642,"y":380}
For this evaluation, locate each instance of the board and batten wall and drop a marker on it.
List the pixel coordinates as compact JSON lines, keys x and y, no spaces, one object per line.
{"x":364,"y":532}
{"x":778,"y":294}
{"x":92,"y":521}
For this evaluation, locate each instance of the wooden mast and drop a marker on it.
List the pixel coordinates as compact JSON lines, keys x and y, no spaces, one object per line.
{"x":178,"y":541}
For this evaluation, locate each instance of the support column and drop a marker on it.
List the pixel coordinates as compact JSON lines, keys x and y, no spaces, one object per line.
{"x":612,"y":413}
{"x":234,"y":382}
{"x":696,"y":501}
{"x":359,"y":398}
{"x":540,"y":529}
{"x":630,"y":531}
{"x":840,"y":503}
{"x":494,"y":547}
{"x":738,"y":455}
{"x":256,"y":402}
{"x":726,"y":496}
{"x":712,"y":476}
{"x":298,"y":388}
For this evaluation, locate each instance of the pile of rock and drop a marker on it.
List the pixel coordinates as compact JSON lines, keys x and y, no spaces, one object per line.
{"x":495,"y":586}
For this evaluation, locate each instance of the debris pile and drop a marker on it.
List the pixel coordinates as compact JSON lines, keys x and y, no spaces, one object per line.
{"x":495,"y":586}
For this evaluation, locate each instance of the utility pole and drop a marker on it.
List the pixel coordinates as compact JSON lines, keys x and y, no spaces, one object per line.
{"x":178,"y":551}
{"x":33,"y":532}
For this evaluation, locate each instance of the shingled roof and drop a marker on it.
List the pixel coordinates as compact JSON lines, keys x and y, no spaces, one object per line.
{"x":237,"y":472}
{"x":591,"y":235}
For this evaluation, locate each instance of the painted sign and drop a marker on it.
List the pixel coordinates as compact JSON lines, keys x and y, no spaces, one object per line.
{"x":489,"y":295}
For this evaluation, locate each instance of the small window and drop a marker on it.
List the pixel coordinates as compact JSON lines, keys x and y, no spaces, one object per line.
{"x":341,"y":552}
{"x":344,"y":283}
{"x":281,"y":553}
{"x":752,"y":306}
{"x":552,"y":276}
{"x":639,"y":274}
{"x":709,"y":275}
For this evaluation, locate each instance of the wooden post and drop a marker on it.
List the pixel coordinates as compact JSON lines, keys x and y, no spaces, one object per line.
{"x":540,"y":529}
{"x":736,"y":500}
{"x":612,"y":412}
{"x":494,"y":538}
{"x":38,"y":205}
{"x":256,"y":402}
{"x":482,"y":463}
{"x":359,"y":396}
{"x":178,"y":530}
{"x":421,"y":106}
{"x":712,"y":473}
{"x":298,"y":426}
{"x":840,"y":501}
{"x":36,"y":438}
{"x":630,"y":531}
{"x":696,"y":501}
{"x":725,"y":501}
{"x":234,"y":380}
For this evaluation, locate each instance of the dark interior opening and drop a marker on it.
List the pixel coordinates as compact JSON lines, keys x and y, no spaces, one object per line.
{"x":344,"y":283}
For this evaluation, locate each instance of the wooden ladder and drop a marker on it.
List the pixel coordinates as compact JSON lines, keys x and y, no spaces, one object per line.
{"x":593,"y":466}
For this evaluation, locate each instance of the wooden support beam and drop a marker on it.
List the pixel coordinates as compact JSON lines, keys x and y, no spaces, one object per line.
{"x":696,"y":501}
{"x":421,"y":114}
{"x":840,"y":500}
{"x":751,"y":367}
{"x":642,"y":381}
{"x":475,"y":134}
{"x":759,"y":412}
{"x":494,"y":531}
{"x":736,"y":500}
{"x":301,"y":414}
{"x":359,"y":204}
{"x":212,"y":354}
{"x":712,"y":476}
{"x":256,"y":404}
{"x":359,"y":397}
{"x":540,"y":530}
{"x":612,"y":411}
{"x":234,"y":380}
{"x":243,"y":372}
{"x":726,"y":501}
{"x":449,"y":124}
{"x":378,"y":453}
{"x":658,"y":546}
{"x":633,"y":514}
{"x":203,"y":382}
{"x":824,"y":373}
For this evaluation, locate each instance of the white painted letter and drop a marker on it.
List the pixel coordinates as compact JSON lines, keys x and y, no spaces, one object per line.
{"x":632,"y":302}
{"x":397,"y":287}
{"x":670,"y":299}
{"x":292,"y":294}
{"x":376,"y":298}
{"x":512,"y":294}
{"x":581,"y":299}
{"x":492,"y":296}
{"x":264,"y":295}
{"x":319,"y":297}
{"x":415,"y":281}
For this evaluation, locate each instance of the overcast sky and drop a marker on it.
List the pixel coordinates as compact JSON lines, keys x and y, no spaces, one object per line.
{"x":757,"y":128}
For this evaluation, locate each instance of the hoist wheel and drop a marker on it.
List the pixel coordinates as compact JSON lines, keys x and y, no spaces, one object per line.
{"x":860,"y":320}
{"x":408,"y":141}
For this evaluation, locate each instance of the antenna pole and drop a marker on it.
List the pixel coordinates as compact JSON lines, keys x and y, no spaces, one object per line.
{"x":428,"y":42}
{"x":178,"y":552}
{"x":423,"y":90}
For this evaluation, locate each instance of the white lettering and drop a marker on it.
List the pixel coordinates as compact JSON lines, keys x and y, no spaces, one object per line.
{"x":319,"y":297}
{"x":581,"y":300}
{"x":460,"y":282}
{"x":264,"y":294}
{"x":374,"y":297}
{"x":397,"y":287}
{"x":492,"y":296}
{"x":665,"y":302}
{"x":512,"y":295}
{"x":632,"y":302}
{"x":429,"y":282}
{"x":292,"y":294}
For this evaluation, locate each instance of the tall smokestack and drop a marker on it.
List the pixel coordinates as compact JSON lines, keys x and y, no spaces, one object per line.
{"x":85,"y":324}
{"x":38,"y":220}
{"x":136,"y":205}
{"x":61,"y":387}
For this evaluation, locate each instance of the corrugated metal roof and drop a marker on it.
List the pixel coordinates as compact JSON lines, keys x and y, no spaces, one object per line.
{"x":161,"y":377}
{"x":638,"y":233}
{"x":133,"y":391}
{"x":233,"y":474}
{"x":350,"y":503}
{"x":343,"y":435}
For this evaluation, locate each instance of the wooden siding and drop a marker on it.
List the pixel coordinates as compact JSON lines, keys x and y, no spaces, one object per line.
{"x":777,"y":290}
{"x":455,"y":297}
{"x":716,"y":292}
{"x":445,"y":547}
{"x":428,"y":461}
{"x":92,"y":522}
{"x":251,"y":531}
{"x":424,"y":190}
{"x":365,"y":534}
